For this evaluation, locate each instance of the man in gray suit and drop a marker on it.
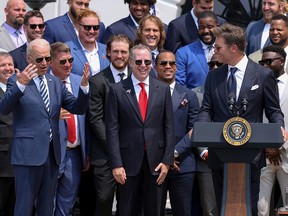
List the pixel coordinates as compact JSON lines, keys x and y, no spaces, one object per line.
{"x":276,"y":159}
{"x":11,"y":32}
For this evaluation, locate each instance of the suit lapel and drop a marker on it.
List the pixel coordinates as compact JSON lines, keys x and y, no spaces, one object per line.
{"x":248,"y":81}
{"x":69,"y":27}
{"x":222,"y":79}
{"x":177,"y":97}
{"x":130,"y":25}
{"x":153,"y":94}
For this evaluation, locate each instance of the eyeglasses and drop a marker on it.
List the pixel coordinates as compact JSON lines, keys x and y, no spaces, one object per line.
{"x":164,"y":63}
{"x":146,"y":62}
{"x":212,"y":64}
{"x":88,"y":27}
{"x":64,"y":61}
{"x":267,"y":61}
{"x":34,"y":26}
{"x":86,"y":5}
{"x":47,"y":59}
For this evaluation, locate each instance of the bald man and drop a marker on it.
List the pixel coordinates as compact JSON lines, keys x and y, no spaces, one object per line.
{"x":11,"y":32}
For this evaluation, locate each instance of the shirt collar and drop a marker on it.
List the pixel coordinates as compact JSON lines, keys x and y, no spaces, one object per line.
{"x":3,"y":86}
{"x":283,"y":78}
{"x":135,"y":81}
{"x":115,"y":72}
{"x":95,"y":50}
{"x":241,"y":65}
{"x":205,"y":46}
{"x":194,"y":17}
{"x":12,"y":30}
{"x":134,"y":21}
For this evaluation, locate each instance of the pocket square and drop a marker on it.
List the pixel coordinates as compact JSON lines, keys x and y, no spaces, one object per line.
{"x":254,"y":87}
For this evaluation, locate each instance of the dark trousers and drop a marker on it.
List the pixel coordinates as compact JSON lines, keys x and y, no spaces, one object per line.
{"x":217,"y":176}
{"x":7,"y":196}
{"x":141,"y":190}
{"x":105,"y":186}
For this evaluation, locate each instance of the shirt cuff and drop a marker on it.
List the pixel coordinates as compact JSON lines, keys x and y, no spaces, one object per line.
{"x":203,"y":152}
{"x":20,"y":86}
{"x":85,"y":89}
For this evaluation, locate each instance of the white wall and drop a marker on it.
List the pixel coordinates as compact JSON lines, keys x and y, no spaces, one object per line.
{"x":109,"y":10}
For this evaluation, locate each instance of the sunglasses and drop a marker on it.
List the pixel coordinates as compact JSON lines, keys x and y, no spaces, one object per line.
{"x":164,"y":63}
{"x":88,"y":27}
{"x":47,"y":59}
{"x":86,"y":5}
{"x":212,"y":64}
{"x":34,"y":26}
{"x":267,"y":61}
{"x":146,"y":62}
{"x":63,"y":62}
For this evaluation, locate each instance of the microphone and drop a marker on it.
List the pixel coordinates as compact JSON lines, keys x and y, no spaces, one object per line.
{"x":231,"y":101}
{"x":244,"y":104}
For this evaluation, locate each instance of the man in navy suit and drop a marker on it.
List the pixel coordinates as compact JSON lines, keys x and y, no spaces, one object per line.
{"x":73,"y":150}
{"x":183,"y":30}
{"x":118,"y":48}
{"x":128,"y":25}
{"x":7,"y":188}
{"x":34,"y":28}
{"x":86,"y":48}
{"x":253,"y":82}
{"x":64,"y":28}
{"x":35,"y":98}
{"x":140,"y":136}
{"x":192,"y":67}
{"x":180,"y":179}
{"x":257,"y":32}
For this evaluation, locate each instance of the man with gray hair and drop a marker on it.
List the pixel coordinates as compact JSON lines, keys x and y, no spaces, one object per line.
{"x":35,"y":98}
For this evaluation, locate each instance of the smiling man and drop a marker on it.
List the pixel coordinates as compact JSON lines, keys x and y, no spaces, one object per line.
{"x":34,"y":28}
{"x":192,"y":67}
{"x":128,"y":25}
{"x":118,"y":48}
{"x":140,"y":133}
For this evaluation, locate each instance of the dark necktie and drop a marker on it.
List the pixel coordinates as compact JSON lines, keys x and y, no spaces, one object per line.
{"x":231,"y":83}
{"x":143,"y":101}
{"x":71,"y":126}
{"x":121,"y":75}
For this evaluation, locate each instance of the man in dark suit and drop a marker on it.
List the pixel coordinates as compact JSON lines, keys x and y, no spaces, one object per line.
{"x":34,"y":28}
{"x":65,"y":28}
{"x":253,"y":82}
{"x":183,"y":30}
{"x":257,"y":32}
{"x":73,"y":138}
{"x":104,"y":183}
{"x":7,"y":191}
{"x":128,"y":25}
{"x":35,"y":99}
{"x":180,"y":179}
{"x":140,"y":133}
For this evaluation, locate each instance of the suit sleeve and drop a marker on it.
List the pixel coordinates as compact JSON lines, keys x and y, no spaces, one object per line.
{"x":112,"y":130}
{"x":181,"y":74}
{"x":108,"y":32}
{"x":48,"y":33}
{"x":96,"y":109}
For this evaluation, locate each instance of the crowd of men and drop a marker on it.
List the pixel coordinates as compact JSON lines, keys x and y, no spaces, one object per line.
{"x":90,"y":112}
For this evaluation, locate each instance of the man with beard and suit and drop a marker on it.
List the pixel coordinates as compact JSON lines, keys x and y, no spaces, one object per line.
{"x":192,"y":67}
{"x":35,"y":99}
{"x":184,"y":29}
{"x":278,"y":35}
{"x":140,"y":136}
{"x":257,"y":32}
{"x":276,"y":158}
{"x":180,"y":178}
{"x":104,"y":183}
{"x":11,"y":31}
{"x":34,"y":28}
{"x":64,"y":28}
{"x":7,"y":191}
{"x":244,"y":79}
{"x":86,"y":48}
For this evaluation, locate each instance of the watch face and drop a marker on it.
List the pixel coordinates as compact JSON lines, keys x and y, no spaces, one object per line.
{"x":176,"y":154}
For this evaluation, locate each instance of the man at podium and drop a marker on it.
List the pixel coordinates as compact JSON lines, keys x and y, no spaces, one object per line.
{"x":239,"y":80}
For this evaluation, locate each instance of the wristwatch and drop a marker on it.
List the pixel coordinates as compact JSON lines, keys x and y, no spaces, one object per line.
{"x":176,"y":154}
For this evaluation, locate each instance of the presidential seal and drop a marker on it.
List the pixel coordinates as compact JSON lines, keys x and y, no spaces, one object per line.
{"x":237,"y":131}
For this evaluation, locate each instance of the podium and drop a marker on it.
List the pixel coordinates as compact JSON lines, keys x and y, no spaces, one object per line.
{"x":236,"y":199}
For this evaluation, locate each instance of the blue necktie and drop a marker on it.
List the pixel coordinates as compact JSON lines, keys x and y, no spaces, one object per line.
{"x":232,"y":83}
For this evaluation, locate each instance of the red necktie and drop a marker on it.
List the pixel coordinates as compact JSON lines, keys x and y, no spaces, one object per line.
{"x":143,"y":101}
{"x":71,"y":126}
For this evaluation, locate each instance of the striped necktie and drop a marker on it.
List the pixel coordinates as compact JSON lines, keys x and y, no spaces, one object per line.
{"x":44,"y":93}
